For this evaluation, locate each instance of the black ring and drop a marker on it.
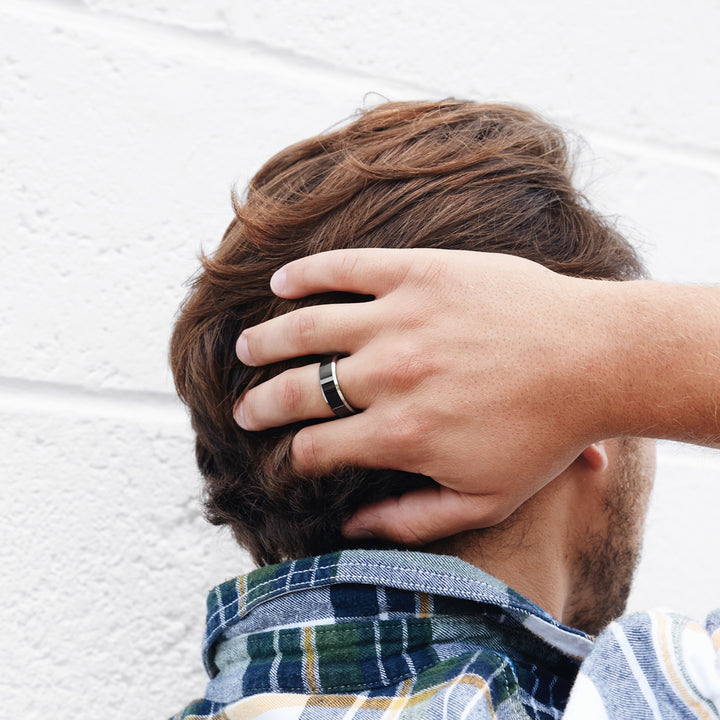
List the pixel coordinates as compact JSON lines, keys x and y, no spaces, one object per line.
{"x":331,"y":388}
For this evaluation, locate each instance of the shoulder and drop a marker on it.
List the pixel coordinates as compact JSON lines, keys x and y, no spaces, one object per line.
{"x":654,"y":664}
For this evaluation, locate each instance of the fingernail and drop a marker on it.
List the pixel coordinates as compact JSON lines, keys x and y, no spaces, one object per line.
{"x":359,"y":533}
{"x":278,"y":281}
{"x":242,"y":349}
{"x":239,"y":416}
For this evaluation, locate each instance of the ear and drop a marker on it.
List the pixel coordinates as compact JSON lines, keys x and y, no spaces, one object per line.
{"x":596,"y":456}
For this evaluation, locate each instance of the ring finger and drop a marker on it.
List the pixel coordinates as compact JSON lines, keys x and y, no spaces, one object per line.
{"x":294,"y":395}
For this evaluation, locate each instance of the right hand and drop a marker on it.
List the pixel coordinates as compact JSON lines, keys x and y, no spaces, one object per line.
{"x":480,"y":370}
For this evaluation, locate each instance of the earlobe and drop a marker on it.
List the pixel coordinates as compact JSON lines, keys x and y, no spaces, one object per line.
{"x":596,"y":457}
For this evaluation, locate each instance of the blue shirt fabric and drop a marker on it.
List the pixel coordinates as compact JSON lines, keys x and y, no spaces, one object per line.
{"x":393,"y":635}
{"x":380,"y":634}
{"x":652,"y":665}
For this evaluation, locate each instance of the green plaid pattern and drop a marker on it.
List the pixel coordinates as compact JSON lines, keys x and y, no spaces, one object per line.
{"x":381,"y":634}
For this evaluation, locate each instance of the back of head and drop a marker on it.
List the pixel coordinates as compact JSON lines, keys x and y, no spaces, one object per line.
{"x":454,"y":175}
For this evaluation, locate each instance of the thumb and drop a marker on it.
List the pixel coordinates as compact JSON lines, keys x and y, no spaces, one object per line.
{"x":421,"y":516}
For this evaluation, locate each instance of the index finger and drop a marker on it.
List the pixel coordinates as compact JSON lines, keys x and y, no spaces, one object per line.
{"x":366,"y":271}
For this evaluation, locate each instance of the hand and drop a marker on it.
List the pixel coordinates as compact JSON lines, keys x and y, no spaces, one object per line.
{"x":480,"y":370}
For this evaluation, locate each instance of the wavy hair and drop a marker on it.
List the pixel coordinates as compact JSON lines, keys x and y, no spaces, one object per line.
{"x":452,"y":174}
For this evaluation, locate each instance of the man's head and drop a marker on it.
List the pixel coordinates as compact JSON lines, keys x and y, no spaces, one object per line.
{"x":454,"y":175}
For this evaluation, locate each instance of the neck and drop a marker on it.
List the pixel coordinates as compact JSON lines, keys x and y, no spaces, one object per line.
{"x":572,"y":547}
{"x":530,"y":551}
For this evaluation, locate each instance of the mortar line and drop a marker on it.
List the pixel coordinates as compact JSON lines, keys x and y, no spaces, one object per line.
{"x":51,"y":398}
{"x":184,"y":39}
{"x":675,"y":153}
{"x":207,"y":43}
{"x":681,"y":455}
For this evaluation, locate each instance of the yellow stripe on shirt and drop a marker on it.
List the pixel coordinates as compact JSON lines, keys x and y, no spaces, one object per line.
{"x":310,"y":660}
{"x":669,"y":665}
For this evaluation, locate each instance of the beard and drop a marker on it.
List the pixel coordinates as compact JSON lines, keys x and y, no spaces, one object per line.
{"x":606,"y":562}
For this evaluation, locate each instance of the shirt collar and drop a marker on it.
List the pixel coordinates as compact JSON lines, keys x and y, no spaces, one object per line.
{"x":230,"y":605}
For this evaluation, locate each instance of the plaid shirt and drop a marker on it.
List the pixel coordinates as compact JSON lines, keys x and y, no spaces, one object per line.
{"x":382,"y":634}
{"x":391,"y":635}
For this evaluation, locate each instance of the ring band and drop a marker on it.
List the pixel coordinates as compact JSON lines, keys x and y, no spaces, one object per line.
{"x":330,"y":388}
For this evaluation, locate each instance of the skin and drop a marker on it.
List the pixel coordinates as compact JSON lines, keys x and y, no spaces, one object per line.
{"x":606,"y":556}
{"x":573,"y":547}
{"x":495,"y":390}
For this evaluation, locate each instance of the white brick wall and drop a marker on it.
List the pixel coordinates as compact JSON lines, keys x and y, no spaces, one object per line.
{"x":122,"y":128}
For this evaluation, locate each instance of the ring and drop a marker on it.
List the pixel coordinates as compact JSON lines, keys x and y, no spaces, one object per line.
{"x":330,"y":388}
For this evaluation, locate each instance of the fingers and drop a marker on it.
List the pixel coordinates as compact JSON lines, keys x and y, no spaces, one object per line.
{"x":357,"y":440}
{"x":368,"y":271}
{"x":292,"y":396}
{"x":423,"y":516}
{"x":315,"y":330}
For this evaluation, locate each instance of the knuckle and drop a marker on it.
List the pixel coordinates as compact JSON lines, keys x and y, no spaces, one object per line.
{"x":347,"y":265}
{"x":404,"y":527}
{"x":494,"y":512}
{"x":408,"y":535}
{"x":305,"y":451}
{"x":290,"y":394}
{"x":488,"y":509}
{"x":431,"y":275}
{"x":304,"y":327}
{"x":405,"y":433}
{"x":406,"y":368}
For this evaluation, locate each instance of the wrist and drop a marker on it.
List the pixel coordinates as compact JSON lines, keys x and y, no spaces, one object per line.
{"x":602,"y":338}
{"x":629,"y":312}
{"x":660,"y":361}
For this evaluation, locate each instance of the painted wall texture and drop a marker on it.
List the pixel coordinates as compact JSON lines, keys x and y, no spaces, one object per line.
{"x":123,"y":126}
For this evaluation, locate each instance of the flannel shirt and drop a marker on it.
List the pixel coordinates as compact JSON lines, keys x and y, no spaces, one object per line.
{"x":381,"y":634}
{"x":371,"y":635}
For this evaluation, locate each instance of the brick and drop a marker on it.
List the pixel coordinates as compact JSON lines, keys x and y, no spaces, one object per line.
{"x":643,"y":69}
{"x":106,"y":562}
{"x":678,"y":569}
{"x":118,"y":166}
{"x":664,"y":204}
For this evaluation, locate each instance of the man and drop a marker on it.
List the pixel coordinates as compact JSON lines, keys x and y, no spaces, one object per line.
{"x":374,"y":632}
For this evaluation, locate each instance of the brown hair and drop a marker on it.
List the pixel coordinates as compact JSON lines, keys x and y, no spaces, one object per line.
{"x":454,"y":174}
